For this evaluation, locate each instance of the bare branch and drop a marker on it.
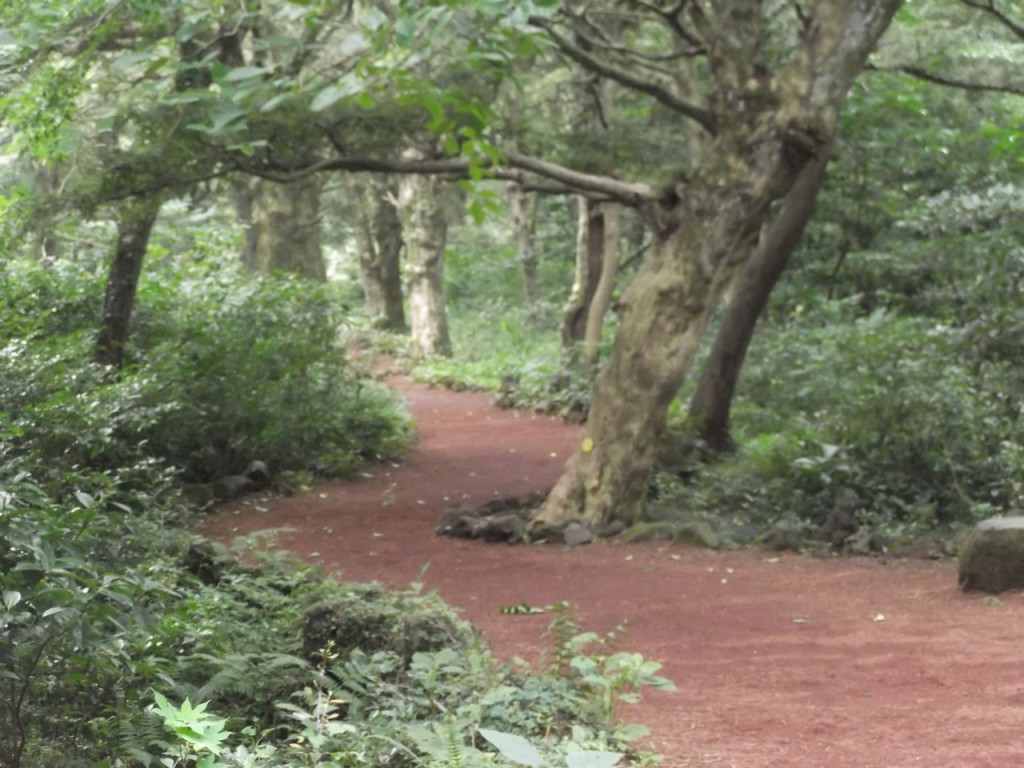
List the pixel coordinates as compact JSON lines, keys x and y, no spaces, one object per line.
{"x":989,"y":7}
{"x":950,"y":82}
{"x":671,"y":17}
{"x":661,"y":94}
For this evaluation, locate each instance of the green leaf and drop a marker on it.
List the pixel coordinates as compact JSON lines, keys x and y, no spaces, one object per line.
{"x":11,"y":599}
{"x":244,"y":73}
{"x":515,"y":748}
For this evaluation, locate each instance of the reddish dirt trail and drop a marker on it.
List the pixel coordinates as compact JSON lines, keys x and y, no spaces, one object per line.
{"x":781,"y":661}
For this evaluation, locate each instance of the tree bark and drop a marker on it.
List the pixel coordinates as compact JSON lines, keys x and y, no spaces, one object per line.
{"x":523,"y":212}
{"x":421,"y":209}
{"x":285,"y":228}
{"x":602,"y":299}
{"x":134,"y":225}
{"x":712,"y":401}
{"x":379,"y":240}
{"x":766,"y":130}
{"x":243,"y":198}
{"x":589,"y":259}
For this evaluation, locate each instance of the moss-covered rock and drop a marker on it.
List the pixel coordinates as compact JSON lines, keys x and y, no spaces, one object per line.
{"x":697,"y":534}
{"x":992,"y":557}
{"x":647,"y":531}
{"x":372,"y":619}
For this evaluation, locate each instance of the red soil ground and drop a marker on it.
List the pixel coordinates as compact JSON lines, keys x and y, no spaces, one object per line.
{"x":781,"y":661}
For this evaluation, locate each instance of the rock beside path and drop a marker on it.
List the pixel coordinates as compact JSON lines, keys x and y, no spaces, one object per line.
{"x":992,"y":557}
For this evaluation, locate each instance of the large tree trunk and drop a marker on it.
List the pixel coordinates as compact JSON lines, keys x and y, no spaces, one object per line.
{"x":285,"y":228}
{"x":602,"y":299}
{"x":379,"y":240}
{"x":589,"y":260}
{"x":766,"y":131}
{"x":134,"y":225}
{"x":523,"y":212}
{"x":421,"y":209}
{"x":712,"y":401}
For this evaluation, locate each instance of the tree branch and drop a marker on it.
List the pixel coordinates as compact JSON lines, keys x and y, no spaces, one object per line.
{"x":950,"y":82}
{"x":661,"y":94}
{"x":567,"y":179}
{"x":989,"y":7}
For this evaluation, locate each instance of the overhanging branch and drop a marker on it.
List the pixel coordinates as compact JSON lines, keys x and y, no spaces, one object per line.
{"x":950,"y":82}
{"x":643,"y":85}
{"x":516,"y":166}
{"x":989,"y":7}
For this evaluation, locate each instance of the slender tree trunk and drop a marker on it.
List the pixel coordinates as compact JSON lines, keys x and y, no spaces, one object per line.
{"x":611,"y":217}
{"x":523,"y":211}
{"x":285,"y":229}
{"x":47,"y":187}
{"x":589,"y":260}
{"x":379,"y":241}
{"x":766,"y":131}
{"x":243,"y":197}
{"x":421,"y":209}
{"x":712,"y":401}
{"x":134,"y":226}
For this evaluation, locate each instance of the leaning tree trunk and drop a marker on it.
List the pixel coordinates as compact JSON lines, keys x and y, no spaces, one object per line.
{"x":421,"y":209}
{"x":712,"y":401}
{"x":766,"y":131}
{"x":523,"y":212}
{"x":602,"y":299}
{"x":379,"y":241}
{"x":134,"y":225}
{"x":589,"y":259}
{"x":285,"y":229}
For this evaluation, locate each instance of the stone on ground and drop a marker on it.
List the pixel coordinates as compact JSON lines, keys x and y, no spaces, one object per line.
{"x":992,"y":558}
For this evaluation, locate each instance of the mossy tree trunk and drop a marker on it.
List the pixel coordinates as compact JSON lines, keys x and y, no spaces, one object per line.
{"x":711,"y":403}
{"x":589,"y":260}
{"x":602,"y":298}
{"x":379,"y":241}
{"x":284,"y":230}
{"x":135,"y":222}
{"x":767,"y":126}
{"x":523,"y":212}
{"x":421,"y":209}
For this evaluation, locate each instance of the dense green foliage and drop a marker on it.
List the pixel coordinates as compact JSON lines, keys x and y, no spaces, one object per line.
{"x":107,"y":609}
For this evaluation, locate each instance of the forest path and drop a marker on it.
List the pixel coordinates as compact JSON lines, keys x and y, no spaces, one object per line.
{"x":781,"y":661}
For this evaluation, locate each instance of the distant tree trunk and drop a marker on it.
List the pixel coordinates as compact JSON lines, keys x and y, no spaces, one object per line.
{"x":602,"y":299}
{"x":523,"y":211}
{"x":712,"y":401}
{"x":284,"y":234}
{"x":379,"y":240}
{"x":421,"y":209}
{"x":134,"y":225}
{"x":589,"y":258}
{"x":243,"y":197}
{"x":47,"y":184}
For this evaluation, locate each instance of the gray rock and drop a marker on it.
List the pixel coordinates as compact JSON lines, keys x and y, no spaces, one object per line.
{"x":508,"y":527}
{"x":257,"y":472}
{"x":864,"y":542}
{"x":576,"y":534}
{"x":784,"y":535}
{"x":992,"y":557}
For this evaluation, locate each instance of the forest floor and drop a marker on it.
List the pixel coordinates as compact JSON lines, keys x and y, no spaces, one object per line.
{"x":780,"y":660}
